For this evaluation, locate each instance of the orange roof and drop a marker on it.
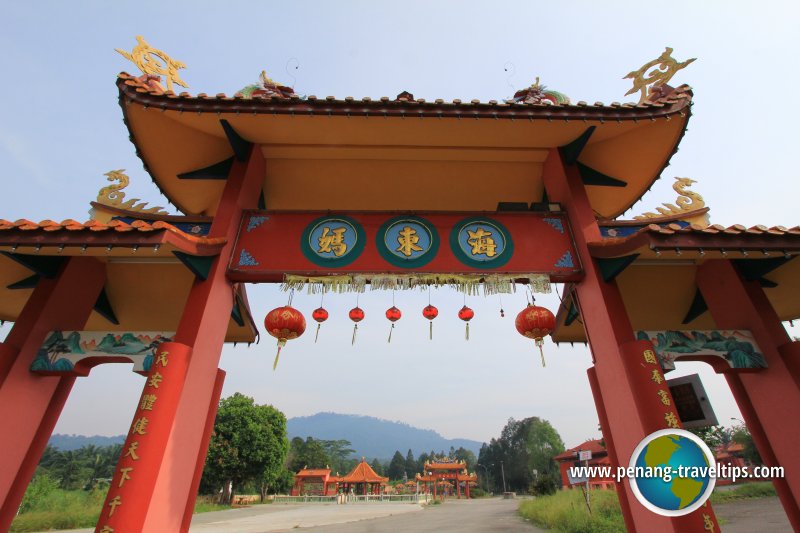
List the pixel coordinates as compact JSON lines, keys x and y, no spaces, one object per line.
{"x":665,"y":259}
{"x":595,"y":446}
{"x":313,"y":472}
{"x":446,"y":466}
{"x":363,"y":473}
{"x":318,"y":142}
{"x":116,"y":232}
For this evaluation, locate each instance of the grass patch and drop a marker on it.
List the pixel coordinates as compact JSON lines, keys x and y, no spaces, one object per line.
{"x":762,"y":489}
{"x":566,"y":512}
{"x":61,"y":509}
{"x":46,"y":507}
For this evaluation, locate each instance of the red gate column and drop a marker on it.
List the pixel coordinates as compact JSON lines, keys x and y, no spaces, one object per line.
{"x":213,"y":404}
{"x":628,"y":381}
{"x":30,"y":404}
{"x":769,"y":399}
{"x":162,"y":502}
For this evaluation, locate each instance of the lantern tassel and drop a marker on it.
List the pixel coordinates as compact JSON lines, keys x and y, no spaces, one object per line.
{"x":281,"y":344}
{"x":467,"y":332}
{"x":317,"y":335}
{"x":540,"y":343}
{"x":431,"y":329}
{"x":390,"y":332}
{"x":355,"y":330}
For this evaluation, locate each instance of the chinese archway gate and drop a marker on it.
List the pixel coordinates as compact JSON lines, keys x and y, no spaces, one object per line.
{"x":447,"y":472}
{"x":395,"y":192}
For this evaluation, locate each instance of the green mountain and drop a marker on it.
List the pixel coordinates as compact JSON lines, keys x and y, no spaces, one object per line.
{"x":374,"y":437}
{"x":74,"y":442}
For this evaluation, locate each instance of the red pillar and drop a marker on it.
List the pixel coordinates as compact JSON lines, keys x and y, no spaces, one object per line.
{"x":629,"y":384}
{"x":162,"y":500}
{"x":608,"y":438}
{"x":201,"y":459}
{"x":30,"y":404}
{"x":769,"y":399}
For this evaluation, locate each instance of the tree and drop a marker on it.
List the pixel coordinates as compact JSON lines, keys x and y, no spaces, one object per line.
{"x":467,"y":456}
{"x":524,"y":447}
{"x":741,"y":435}
{"x":411,"y":464}
{"x":308,"y":454}
{"x":421,"y":460}
{"x":248,"y":445}
{"x":397,"y":466}
{"x":377,"y":466}
{"x":339,"y":453}
{"x":714,"y":436}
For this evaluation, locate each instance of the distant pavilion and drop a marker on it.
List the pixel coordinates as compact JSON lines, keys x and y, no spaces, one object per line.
{"x":314,"y":482}
{"x":445,"y":473}
{"x":319,"y":481}
{"x":363,"y":480}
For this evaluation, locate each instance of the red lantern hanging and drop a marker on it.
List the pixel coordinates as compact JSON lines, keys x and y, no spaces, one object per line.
{"x":320,"y":314}
{"x":536,"y":323}
{"x":356,"y":315}
{"x":466,"y":315}
{"x":430,"y":312}
{"x":393,"y":314}
{"x":284,"y":323}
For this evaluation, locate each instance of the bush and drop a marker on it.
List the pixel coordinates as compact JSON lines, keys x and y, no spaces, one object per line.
{"x":543,"y":485}
{"x":39,"y":490}
{"x":566,"y":511}
{"x":750,"y":490}
{"x":60,"y":509}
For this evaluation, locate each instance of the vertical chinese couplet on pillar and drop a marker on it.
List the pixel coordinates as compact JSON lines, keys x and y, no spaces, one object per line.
{"x":144,"y":445}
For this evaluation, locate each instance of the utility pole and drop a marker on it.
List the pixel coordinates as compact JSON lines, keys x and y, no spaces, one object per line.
{"x":503,"y":472}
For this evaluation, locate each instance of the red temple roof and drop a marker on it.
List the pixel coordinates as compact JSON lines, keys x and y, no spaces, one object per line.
{"x":179,"y":137}
{"x":363,"y":473}
{"x":595,"y":446}
{"x":314,"y":472}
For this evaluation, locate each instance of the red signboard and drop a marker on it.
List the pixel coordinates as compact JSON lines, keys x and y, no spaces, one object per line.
{"x":271,"y":244}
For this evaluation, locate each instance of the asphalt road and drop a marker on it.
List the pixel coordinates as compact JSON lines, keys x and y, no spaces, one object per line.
{"x":474,"y":516}
{"x":764,"y":515}
{"x":455,"y":516}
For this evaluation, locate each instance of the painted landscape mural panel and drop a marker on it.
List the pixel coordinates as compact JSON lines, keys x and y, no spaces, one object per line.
{"x":62,"y":350}
{"x":737,"y":347}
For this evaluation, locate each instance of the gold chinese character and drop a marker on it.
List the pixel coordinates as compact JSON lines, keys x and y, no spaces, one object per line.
{"x":140,"y":425}
{"x":114,"y":503}
{"x":481,"y":242}
{"x":125,"y":477}
{"x":161,"y":359}
{"x":155,"y":380}
{"x":708,"y":523}
{"x":650,"y":357}
{"x":148,"y":401}
{"x":332,"y":241}
{"x":132,"y":451}
{"x":408,"y":240}
{"x":657,"y":377}
{"x":664,"y":397}
{"x":672,"y":420}
{"x":107,"y":529}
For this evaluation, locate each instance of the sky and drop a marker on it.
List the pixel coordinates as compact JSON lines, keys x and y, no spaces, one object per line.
{"x":61,"y":130}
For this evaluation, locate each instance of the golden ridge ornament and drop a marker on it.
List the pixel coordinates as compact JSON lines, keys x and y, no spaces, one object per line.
{"x":113,"y":196}
{"x":154,"y":62}
{"x":667,"y":67}
{"x":688,"y":201}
